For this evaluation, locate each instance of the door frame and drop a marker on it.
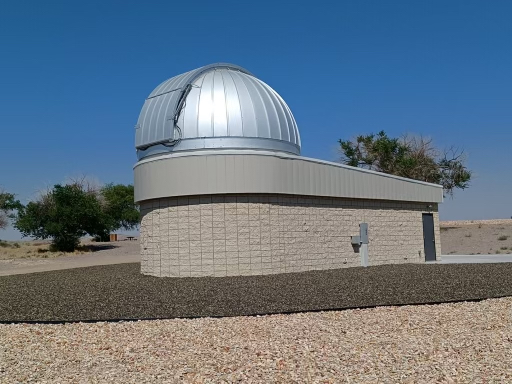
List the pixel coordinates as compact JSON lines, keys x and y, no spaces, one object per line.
{"x":431,"y":215}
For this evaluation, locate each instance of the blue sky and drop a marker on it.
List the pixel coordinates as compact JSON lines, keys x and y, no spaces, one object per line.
{"x":74,"y":76}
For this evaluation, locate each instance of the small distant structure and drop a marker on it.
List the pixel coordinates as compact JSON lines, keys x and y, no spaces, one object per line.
{"x":224,"y":191}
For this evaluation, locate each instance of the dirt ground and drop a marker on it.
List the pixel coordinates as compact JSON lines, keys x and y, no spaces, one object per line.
{"x":38,"y":249}
{"x":476,"y":237}
{"x":34,"y":256}
{"x":32,"y":250}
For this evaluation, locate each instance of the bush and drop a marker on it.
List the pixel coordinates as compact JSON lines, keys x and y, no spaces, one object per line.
{"x":7,"y":205}
{"x":64,"y":214}
{"x":119,"y":207}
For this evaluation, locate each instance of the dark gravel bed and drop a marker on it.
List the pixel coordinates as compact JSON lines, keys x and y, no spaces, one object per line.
{"x":114,"y":292}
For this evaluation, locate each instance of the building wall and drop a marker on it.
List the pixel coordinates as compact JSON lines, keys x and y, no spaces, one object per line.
{"x":226,"y":235}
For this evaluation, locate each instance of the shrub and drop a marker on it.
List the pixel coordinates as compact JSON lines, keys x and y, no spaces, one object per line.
{"x":502,"y":238}
{"x":7,"y":206}
{"x":64,"y":214}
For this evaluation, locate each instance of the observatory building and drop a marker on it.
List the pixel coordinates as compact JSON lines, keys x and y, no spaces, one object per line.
{"x":223,"y":190}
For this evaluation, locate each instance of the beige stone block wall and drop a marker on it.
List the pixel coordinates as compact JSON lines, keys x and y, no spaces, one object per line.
{"x":226,"y":235}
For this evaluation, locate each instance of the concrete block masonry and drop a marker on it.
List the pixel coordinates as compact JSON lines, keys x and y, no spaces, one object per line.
{"x":229,"y":235}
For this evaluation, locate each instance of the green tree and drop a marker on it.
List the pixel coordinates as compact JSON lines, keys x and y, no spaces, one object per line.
{"x":414,"y":158}
{"x":8,"y":204}
{"x":66,"y":213}
{"x":119,"y":208}
{"x":63,"y":214}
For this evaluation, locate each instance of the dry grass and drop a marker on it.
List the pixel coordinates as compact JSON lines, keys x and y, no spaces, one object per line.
{"x":35,"y":250}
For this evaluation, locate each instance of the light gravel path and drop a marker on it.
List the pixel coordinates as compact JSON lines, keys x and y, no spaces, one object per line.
{"x":460,"y":342}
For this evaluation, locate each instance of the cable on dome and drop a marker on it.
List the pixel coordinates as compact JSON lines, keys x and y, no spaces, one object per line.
{"x":182,"y":102}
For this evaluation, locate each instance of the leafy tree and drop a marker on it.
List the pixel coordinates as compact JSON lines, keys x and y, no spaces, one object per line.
{"x":8,"y":204}
{"x":119,"y":209}
{"x":119,"y":206}
{"x":414,"y":158}
{"x":63,"y":214}
{"x":66,"y":213}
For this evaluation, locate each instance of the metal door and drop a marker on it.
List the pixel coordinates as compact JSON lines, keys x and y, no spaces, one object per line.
{"x":428,"y":237}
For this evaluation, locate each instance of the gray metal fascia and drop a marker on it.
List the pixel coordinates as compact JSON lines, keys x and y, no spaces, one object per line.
{"x":222,"y":172}
{"x":283,"y":156}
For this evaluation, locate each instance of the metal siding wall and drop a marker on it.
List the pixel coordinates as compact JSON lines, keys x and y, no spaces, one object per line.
{"x":243,"y":173}
{"x":239,"y":170}
{"x":212,"y":176}
{"x":230,"y":172}
{"x":220,"y":174}
{"x":202,"y":182}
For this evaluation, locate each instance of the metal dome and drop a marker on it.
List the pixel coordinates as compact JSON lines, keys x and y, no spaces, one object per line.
{"x":217,"y":106}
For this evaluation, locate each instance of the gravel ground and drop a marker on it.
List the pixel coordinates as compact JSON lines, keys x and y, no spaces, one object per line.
{"x":121,"y":292}
{"x":449,"y":343}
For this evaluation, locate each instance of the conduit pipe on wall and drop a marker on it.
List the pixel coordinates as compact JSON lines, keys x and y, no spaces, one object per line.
{"x":363,"y":236}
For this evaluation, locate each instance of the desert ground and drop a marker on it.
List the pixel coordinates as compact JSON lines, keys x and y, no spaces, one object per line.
{"x":17,"y":257}
{"x":40,"y":249}
{"x":476,"y":237}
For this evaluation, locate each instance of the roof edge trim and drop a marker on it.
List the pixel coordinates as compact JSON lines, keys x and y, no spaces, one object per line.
{"x":280,"y":155}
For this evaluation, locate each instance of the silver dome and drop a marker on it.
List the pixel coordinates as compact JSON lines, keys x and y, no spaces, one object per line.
{"x":217,"y":106}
